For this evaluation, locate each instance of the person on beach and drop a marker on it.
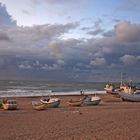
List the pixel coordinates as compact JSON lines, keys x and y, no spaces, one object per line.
{"x":82,"y":92}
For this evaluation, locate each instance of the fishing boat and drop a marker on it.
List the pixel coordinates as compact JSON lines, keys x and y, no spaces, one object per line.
{"x":75,"y":103}
{"x":128,"y":88}
{"x":0,"y":104}
{"x":110,"y":89}
{"x":51,"y":102}
{"x":130,"y":97}
{"x":91,"y":100}
{"x":9,"y":104}
{"x":38,"y":105}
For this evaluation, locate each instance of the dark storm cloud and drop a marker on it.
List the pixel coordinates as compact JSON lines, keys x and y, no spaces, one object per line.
{"x":5,"y":18}
{"x":31,"y":41}
{"x":42,"y":48}
{"x":4,"y":36}
{"x":42,"y":52}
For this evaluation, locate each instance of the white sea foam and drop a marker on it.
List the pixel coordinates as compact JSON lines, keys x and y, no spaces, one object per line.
{"x":29,"y":93}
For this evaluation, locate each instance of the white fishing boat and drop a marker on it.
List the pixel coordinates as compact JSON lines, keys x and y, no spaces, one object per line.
{"x":127,"y":88}
{"x":9,"y":104}
{"x":51,"y":102}
{"x":110,"y":89}
{"x":129,"y":97}
{"x":91,"y":100}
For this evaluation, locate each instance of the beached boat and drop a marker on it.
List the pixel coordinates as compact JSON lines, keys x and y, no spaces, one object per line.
{"x":0,"y":105}
{"x":91,"y":100}
{"x":75,"y":103}
{"x":51,"y":102}
{"x":130,"y":97}
{"x":9,"y":105}
{"x":38,"y":105}
{"x":110,"y":89}
{"x":128,"y":88}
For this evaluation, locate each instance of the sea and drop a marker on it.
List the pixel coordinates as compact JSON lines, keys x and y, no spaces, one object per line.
{"x":9,"y":88}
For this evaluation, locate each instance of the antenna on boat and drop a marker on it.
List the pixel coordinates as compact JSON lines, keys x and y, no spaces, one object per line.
{"x":121,"y":79}
{"x":95,"y":93}
{"x":42,"y":96}
{"x":122,"y":75}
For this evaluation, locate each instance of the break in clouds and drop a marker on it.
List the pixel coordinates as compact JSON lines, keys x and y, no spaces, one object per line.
{"x":43,"y":51}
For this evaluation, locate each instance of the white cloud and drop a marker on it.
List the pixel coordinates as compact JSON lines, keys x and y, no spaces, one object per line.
{"x":51,"y":67}
{"x":113,"y":65}
{"x":138,"y":57}
{"x":98,"y":62}
{"x":60,"y":62}
{"x":128,"y":59}
{"x":25,"y":12}
{"x":128,"y":32}
{"x":24,"y":66}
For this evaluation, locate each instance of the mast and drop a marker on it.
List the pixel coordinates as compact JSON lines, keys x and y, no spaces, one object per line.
{"x":121,"y":80}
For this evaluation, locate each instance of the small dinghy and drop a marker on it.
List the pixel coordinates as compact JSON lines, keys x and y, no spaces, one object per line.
{"x":75,"y":103}
{"x":38,"y":105}
{"x":91,"y":100}
{"x":9,"y":104}
{"x":110,"y":89}
{"x":51,"y":102}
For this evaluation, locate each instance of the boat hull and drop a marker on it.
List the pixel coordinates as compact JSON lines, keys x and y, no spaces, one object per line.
{"x":90,"y":103}
{"x":53,"y":104}
{"x":91,"y":100}
{"x":130,"y":97}
{"x":112,"y":92}
{"x":75,"y":103}
{"x":9,"y":106}
{"x":38,"y":106}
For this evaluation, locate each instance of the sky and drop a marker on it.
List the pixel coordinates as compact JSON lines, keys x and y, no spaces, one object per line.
{"x":77,"y":40}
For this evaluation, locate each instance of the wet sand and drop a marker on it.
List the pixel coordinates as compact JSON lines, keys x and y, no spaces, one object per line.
{"x":111,"y":120}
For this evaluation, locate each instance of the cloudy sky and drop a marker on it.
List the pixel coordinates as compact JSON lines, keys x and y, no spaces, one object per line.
{"x":70,"y":40}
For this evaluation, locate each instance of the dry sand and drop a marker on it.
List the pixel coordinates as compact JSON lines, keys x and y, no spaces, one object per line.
{"x":111,"y":120}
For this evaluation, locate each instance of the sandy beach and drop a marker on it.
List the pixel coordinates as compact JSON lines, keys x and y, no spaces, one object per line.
{"x":111,"y":120}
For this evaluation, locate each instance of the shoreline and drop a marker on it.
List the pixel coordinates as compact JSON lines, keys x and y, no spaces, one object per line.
{"x":37,"y":96}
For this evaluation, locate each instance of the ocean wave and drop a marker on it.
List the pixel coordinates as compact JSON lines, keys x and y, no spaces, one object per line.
{"x":28,"y":93}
